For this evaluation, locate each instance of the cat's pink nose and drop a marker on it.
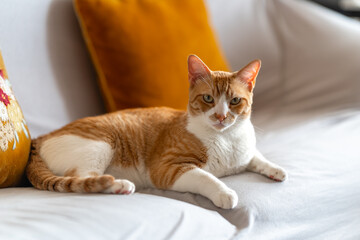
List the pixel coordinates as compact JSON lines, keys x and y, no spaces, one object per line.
{"x":220,"y":117}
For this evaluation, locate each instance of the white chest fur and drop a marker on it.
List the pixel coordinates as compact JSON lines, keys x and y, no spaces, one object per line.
{"x":230,"y":151}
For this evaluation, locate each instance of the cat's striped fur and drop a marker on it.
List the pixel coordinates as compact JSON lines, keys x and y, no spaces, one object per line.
{"x":160,"y":147}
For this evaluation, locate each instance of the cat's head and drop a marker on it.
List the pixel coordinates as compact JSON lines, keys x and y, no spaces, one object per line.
{"x":220,"y":99}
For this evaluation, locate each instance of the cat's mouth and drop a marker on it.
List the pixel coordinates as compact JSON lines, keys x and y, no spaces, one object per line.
{"x":219,"y":126}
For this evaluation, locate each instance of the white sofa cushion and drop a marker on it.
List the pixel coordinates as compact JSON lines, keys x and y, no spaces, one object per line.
{"x":27,"y":213}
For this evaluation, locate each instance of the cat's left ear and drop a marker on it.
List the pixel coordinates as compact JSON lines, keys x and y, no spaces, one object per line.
{"x":249,"y":73}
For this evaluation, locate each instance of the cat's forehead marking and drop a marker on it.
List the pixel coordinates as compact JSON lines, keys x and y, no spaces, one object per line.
{"x":222,"y":83}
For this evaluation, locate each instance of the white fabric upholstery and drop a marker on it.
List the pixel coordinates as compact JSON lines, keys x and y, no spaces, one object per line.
{"x":31,"y":214}
{"x":310,"y":55}
{"x":48,"y":63}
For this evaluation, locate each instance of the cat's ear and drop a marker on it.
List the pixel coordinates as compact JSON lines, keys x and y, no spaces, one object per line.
{"x":197,"y":69}
{"x":249,"y":73}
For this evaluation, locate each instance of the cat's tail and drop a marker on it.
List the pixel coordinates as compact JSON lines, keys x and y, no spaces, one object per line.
{"x":42,"y":178}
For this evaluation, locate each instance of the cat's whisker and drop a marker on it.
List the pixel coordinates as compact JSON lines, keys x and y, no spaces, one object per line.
{"x":259,"y":130}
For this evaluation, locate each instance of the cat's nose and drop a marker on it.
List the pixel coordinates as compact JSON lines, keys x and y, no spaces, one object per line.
{"x":220,"y":117}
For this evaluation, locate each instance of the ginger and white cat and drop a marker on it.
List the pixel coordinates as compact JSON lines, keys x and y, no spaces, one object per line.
{"x":161,"y":147}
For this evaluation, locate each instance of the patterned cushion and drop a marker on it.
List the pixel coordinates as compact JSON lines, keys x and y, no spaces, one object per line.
{"x":14,"y":135}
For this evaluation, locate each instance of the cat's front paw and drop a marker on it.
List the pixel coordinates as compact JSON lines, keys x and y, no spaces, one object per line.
{"x":121,"y":186}
{"x":277,"y":174}
{"x":226,"y":199}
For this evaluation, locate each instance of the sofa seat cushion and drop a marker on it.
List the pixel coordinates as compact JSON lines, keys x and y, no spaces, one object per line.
{"x":27,"y":213}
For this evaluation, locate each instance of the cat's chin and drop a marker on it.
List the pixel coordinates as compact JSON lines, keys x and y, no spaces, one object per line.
{"x":220,"y":127}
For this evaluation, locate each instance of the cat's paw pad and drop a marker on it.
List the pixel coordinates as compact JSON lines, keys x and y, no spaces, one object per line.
{"x":278,"y":174}
{"x":226,"y":199}
{"x":121,"y":186}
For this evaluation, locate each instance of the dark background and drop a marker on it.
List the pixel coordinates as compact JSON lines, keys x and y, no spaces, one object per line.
{"x":337,"y":6}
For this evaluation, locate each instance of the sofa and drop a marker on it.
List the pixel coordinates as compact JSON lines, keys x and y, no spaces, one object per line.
{"x":306,"y":114}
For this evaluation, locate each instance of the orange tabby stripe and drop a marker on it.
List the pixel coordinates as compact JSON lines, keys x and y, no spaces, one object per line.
{"x":156,"y":136}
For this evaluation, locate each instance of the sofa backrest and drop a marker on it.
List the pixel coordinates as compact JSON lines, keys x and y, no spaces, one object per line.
{"x":48,"y":64}
{"x":310,"y":57}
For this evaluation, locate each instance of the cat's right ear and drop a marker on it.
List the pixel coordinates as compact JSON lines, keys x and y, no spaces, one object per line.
{"x":249,"y":73}
{"x":197,"y":69}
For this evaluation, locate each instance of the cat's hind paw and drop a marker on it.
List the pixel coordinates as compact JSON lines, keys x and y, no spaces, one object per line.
{"x":121,"y":186}
{"x":226,"y":199}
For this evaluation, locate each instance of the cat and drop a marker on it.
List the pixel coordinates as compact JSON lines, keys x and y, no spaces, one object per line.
{"x":185,"y":151}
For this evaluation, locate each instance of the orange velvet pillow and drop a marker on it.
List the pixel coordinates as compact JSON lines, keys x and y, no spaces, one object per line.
{"x":14,"y":135}
{"x":140,"y":48}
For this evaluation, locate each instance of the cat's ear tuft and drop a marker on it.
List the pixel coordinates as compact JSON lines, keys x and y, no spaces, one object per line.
{"x":249,"y":73}
{"x":197,"y":69}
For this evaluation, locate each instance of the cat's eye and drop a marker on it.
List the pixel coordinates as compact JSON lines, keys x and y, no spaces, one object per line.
{"x":208,"y":98}
{"x":235,"y":101}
